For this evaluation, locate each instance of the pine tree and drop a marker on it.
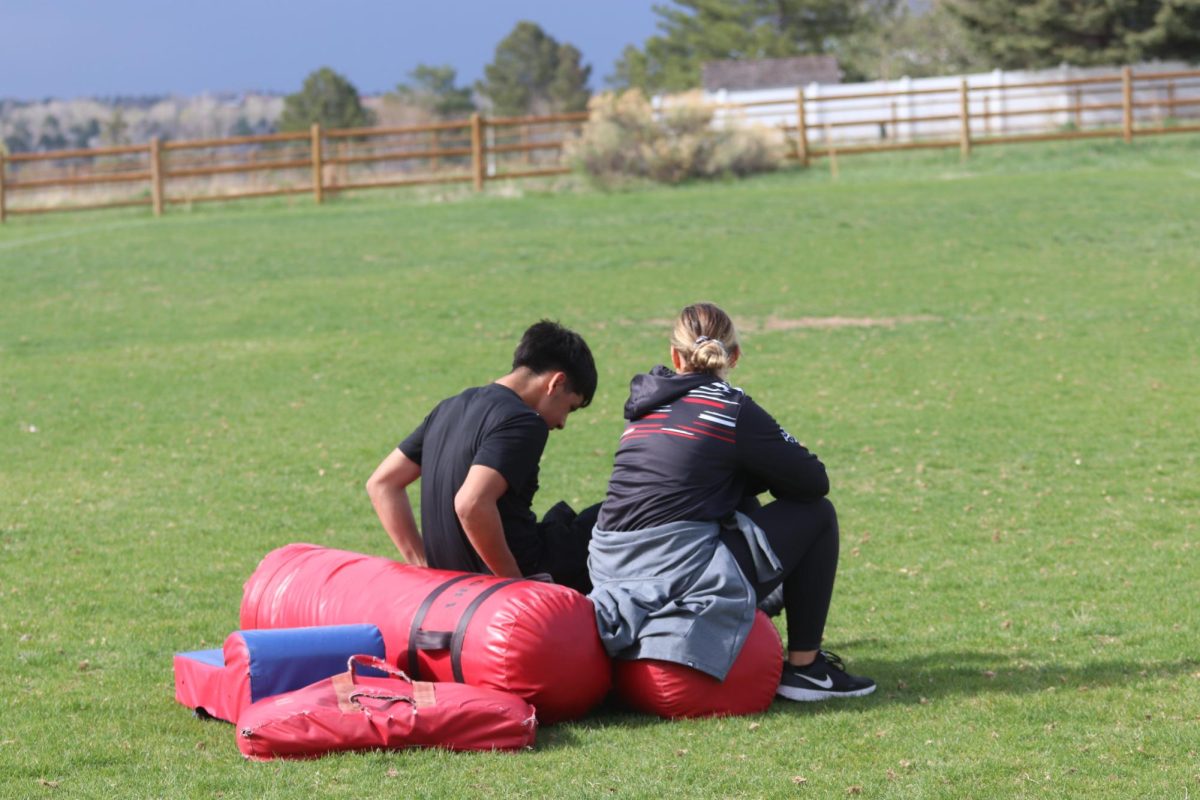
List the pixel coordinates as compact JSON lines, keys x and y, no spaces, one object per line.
{"x":908,"y":41}
{"x":533,"y":73}
{"x":568,"y":90}
{"x":1016,"y":34}
{"x":433,"y":89}
{"x":695,"y":31}
{"x":327,"y":98}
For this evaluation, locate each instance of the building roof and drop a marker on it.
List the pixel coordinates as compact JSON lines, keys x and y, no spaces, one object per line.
{"x":770,"y":73}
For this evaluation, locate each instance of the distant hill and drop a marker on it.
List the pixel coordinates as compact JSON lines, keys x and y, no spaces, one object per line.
{"x":28,"y":126}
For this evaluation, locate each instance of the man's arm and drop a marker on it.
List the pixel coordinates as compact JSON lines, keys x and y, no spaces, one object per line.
{"x":388,"y":489}
{"x":475,"y":505}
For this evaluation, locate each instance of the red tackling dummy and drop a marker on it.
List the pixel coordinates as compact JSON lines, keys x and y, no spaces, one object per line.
{"x":536,"y":640}
{"x":673,"y":690}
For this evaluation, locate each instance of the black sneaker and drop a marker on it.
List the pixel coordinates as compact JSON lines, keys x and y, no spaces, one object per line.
{"x":824,"y":678}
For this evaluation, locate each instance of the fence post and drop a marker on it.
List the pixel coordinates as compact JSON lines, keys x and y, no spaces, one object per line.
{"x":489,"y":148}
{"x":1001,"y":100}
{"x":832,"y":151}
{"x":3,"y":210}
{"x":964,"y":137}
{"x":801,"y":128}
{"x":315,"y":139}
{"x":156,"y":178}
{"x":1064,"y":75}
{"x":477,"y":165}
{"x":1127,"y":102}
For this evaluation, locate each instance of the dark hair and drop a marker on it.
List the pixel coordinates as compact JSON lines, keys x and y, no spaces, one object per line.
{"x":548,"y":346}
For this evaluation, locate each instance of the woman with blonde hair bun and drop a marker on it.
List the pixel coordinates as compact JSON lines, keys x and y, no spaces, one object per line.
{"x":682,"y":552}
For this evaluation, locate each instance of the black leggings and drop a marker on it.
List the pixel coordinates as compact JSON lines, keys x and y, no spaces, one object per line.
{"x":804,"y":535}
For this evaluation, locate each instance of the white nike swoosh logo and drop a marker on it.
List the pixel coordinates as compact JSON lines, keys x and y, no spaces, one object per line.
{"x":825,"y":684}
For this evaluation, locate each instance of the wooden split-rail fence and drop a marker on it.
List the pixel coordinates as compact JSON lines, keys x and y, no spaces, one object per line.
{"x":825,"y":122}
{"x":317,"y":162}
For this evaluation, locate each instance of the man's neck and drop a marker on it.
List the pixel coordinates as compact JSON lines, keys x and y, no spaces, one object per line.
{"x":525,"y":383}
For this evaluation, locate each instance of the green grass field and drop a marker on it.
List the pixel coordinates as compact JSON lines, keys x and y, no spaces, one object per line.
{"x":1012,"y":443}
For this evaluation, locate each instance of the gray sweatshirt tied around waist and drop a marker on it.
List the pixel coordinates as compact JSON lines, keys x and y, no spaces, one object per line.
{"x":674,"y":592}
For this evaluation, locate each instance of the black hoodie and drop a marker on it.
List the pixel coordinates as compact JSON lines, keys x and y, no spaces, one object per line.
{"x":695,"y":449}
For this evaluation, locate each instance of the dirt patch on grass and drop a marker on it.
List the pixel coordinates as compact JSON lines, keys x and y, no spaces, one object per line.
{"x":827,"y":323}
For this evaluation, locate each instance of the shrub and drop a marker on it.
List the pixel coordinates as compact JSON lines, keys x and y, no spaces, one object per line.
{"x":626,"y":139}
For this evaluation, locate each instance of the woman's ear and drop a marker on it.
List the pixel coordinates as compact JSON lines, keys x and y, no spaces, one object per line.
{"x":734,"y":357}
{"x":676,"y":360}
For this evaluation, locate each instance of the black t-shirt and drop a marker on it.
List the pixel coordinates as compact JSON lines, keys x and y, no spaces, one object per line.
{"x":488,"y":425}
{"x":694,"y":448}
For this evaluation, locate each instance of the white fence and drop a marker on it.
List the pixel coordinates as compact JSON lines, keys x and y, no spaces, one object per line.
{"x":997,"y":103}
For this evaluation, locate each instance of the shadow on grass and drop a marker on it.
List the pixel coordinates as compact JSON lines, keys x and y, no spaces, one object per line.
{"x":915,"y":681}
{"x":942,"y":674}
{"x":608,"y":715}
{"x":908,"y":681}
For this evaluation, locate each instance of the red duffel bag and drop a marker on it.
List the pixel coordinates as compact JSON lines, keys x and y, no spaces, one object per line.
{"x":674,"y":690}
{"x":536,"y":640}
{"x":355,"y":712}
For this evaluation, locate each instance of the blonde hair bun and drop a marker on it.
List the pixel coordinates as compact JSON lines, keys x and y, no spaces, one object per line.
{"x":706,"y":340}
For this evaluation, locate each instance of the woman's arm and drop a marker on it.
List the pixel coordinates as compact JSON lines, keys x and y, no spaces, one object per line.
{"x":775,"y":459}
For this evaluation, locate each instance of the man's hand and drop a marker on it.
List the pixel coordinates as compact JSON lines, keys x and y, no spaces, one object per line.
{"x":388,"y":489}
{"x":475,"y":505}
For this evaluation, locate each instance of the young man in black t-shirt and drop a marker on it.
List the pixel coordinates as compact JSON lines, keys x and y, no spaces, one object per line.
{"x":477,"y":456}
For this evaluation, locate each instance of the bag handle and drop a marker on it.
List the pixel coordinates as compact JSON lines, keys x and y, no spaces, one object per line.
{"x":421,"y":639}
{"x":355,"y":703}
{"x":374,"y":662}
{"x":348,"y":694}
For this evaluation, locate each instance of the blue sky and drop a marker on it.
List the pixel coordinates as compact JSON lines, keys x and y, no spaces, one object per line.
{"x":76,"y":48}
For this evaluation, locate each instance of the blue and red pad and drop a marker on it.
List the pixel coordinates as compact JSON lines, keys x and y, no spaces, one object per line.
{"x":255,"y":664}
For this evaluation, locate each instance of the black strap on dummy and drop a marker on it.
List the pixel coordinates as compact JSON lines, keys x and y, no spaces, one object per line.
{"x":460,"y":632}
{"x":428,"y":640}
